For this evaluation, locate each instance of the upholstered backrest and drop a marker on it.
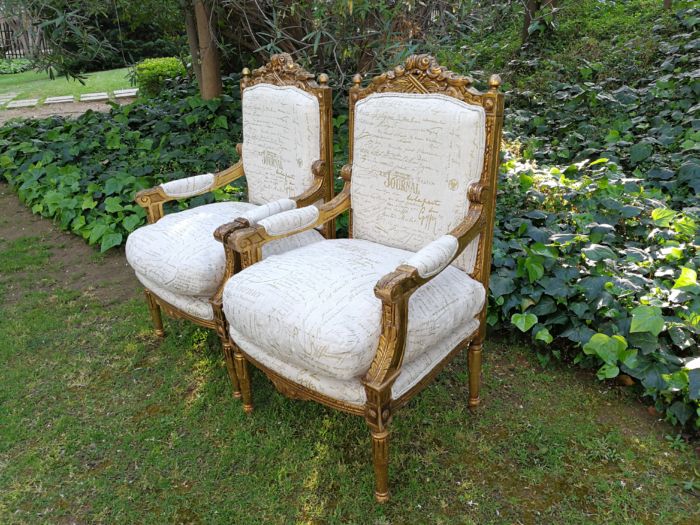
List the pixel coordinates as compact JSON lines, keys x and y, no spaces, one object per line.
{"x":281,"y":140}
{"x":414,"y":157}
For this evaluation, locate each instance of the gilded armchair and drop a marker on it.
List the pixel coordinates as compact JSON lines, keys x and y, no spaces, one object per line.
{"x":286,"y":157}
{"x":364,"y":324}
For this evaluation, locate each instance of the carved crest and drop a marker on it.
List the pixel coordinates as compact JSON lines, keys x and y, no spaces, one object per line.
{"x":423,"y":74}
{"x":281,"y":70}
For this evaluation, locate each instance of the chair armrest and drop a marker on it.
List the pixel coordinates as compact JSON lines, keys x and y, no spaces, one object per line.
{"x":434,"y":257}
{"x":152,"y":199}
{"x":315,"y":192}
{"x":287,"y":223}
{"x":395,"y":289}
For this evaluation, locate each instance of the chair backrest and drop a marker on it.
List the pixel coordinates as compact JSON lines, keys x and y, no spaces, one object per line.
{"x":419,"y":137}
{"x":287,"y":126}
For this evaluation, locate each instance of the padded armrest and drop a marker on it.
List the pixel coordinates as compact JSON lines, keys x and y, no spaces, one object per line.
{"x":254,"y":216}
{"x":189,"y":186}
{"x":290,"y":221}
{"x":434,"y":257}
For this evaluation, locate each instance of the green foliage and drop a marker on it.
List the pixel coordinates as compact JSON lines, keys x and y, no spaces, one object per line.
{"x":84,"y":173}
{"x":151,"y":74}
{"x":586,"y":253}
{"x":16,"y":65}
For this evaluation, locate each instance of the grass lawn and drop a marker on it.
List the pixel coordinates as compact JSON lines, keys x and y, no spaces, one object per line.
{"x":31,"y":84}
{"x":101,"y":422}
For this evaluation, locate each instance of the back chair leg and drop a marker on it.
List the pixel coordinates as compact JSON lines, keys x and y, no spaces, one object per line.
{"x":244,"y":379}
{"x":231,"y":367}
{"x":474,"y":362}
{"x":380,"y":457}
{"x":154,"y":308}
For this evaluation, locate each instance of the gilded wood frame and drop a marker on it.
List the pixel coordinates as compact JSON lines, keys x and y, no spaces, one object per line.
{"x":419,"y":74}
{"x":281,"y":70}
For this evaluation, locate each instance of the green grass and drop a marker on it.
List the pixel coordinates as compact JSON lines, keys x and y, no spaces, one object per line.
{"x":31,"y":84}
{"x":104,"y":423}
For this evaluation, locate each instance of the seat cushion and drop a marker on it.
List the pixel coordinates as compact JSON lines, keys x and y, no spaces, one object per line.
{"x":180,"y":254}
{"x":314,"y":308}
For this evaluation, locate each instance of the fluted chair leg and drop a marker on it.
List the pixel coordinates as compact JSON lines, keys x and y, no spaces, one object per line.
{"x":380,"y":457}
{"x":154,"y":308}
{"x":231,"y":367}
{"x":244,"y":379}
{"x":474,"y":362}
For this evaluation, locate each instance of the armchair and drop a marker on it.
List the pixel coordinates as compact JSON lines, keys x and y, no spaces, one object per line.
{"x":364,"y":324}
{"x":286,"y":158}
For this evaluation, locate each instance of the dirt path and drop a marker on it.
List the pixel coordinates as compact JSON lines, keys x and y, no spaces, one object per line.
{"x":106,"y":277}
{"x":72,"y":109}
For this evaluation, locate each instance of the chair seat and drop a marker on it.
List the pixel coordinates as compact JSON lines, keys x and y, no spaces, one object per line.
{"x":312,"y":312}
{"x":180,"y":254}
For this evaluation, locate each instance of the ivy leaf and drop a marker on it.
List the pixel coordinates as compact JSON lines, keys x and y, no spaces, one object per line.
{"x":694,"y":383}
{"x":524,"y":321}
{"x":130,"y":222}
{"x":96,"y":233}
{"x":545,"y":251}
{"x":663,"y":217}
{"x":544,"y":336}
{"x":687,"y":280}
{"x":534,"y":268}
{"x":647,"y":319}
{"x":221,"y":122}
{"x":113,"y":204}
{"x":607,"y":372}
{"x":640,"y":152}
{"x":598,"y":252}
{"x":608,"y":349}
{"x":500,"y":285}
{"x":110,"y":240}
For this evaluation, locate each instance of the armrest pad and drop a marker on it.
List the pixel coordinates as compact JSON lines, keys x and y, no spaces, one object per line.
{"x":189,"y":186}
{"x":266,"y":210}
{"x":290,"y":221}
{"x":434,"y":257}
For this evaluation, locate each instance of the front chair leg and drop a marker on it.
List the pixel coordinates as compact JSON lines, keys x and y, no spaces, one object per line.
{"x":154,"y":308}
{"x":231,"y":367}
{"x":380,"y":457}
{"x":474,"y":362}
{"x":243,"y":378}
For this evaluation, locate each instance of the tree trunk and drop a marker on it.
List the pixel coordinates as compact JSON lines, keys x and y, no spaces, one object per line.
{"x":668,"y":4}
{"x":531,"y":7}
{"x":192,"y":39}
{"x":210,"y":86}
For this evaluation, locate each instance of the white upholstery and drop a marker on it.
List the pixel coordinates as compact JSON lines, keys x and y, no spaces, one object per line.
{"x":290,"y":221}
{"x":431,"y":259}
{"x":281,"y":140}
{"x":414,"y":156}
{"x":180,"y":254}
{"x":189,"y":186}
{"x":199,"y":307}
{"x":271,"y":208}
{"x":312,"y":316}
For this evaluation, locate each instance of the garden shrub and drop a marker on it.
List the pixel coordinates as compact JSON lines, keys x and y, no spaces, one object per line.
{"x":151,"y":73}
{"x":84,"y":173}
{"x":15,"y":65}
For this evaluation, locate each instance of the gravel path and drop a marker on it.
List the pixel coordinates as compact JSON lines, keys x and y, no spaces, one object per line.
{"x":72,"y":109}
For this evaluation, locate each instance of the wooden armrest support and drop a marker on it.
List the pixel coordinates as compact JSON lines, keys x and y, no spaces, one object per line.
{"x":395,"y":289}
{"x":315,"y":192}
